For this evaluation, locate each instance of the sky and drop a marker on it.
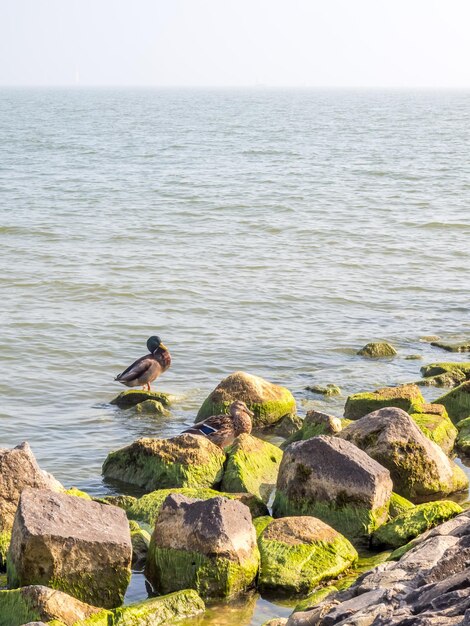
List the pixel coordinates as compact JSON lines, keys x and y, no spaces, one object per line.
{"x":273,"y":43}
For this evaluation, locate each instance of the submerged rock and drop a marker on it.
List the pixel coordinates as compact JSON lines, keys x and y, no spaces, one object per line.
{"x":152,"y":407}
{"x":209,"y":546}
{"x":297,"y":553}
{"x":462,"y":346}
{"x":414,"y":522}
{"x":333,"y":480}
{"x":418,"y":466}
{"x":377,"y":350}
{"x":78,"y":546}
{"x":406,"y":397}
{"x":268,"y":402}
{"x":328,"y":390}
{"x":457,"y":402}
{"x":252,"y":465}
{"x":183,"y":461}
{"x":435,"y":369}
{"x":132,"y":397}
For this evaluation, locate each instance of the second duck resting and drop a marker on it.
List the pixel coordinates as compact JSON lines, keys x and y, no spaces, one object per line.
{"x":222,"y":429}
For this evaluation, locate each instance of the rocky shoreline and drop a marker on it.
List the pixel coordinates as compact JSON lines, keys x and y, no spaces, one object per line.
{"x":290,"y":520}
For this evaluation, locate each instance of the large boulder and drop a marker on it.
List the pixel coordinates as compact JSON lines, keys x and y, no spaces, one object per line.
{"x":333,"y":480}
{"x":457,"y":402}
{"x":418,"y":467}
{"x":269,"y":402}
{"x":406,"y":397}
{"x":183,"y":461}
{"x":297,"y":553}
{"x":75,"y":545}
{"x":206,"y":545}
{"x":252,"y":465}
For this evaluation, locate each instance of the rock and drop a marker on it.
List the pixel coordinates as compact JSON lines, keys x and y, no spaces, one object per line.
{"x":462,"y":346}
{"x":414,"y":522}
{"x":429,"y":338}
{"x":152,"y":407}
{"x":277,"y":621}
{"x":297,"y":553}
{"x":183,"y":461}
{"x":463,"y":441}
{"x":140,"y":540}
{"x":160,"y":611}
{"x":252,"y":465}
{"x":132,"y":397}
{"x":123,"y":502}
{"x":19,"y":469}
{"x":286,"y":426}
{"x":406,"y":397}
{"x":447,"y":379}
{"x":269,"y":402}
{"x":434,"y":423}
{"x":329,"y":390}
{"x":147,"y":508}
{"x":377,"y":350}
{"x":5,"y":538}
{"x":78,"y":546}
{"x":413,"y":357}
{"x":37,"y":602}
{"x":73,"y":491}
{"x":206,"y":545}
{"x":457,"y":402}
{"x":315,"y":423}
{"x":399,"y":505}
{"x":418,"y":467}
{"x":333,"y":480}
{"x":435,"y":369}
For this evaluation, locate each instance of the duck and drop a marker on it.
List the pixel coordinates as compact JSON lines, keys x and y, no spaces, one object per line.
{"x":149,"y":367}
{"x":222,"y":429}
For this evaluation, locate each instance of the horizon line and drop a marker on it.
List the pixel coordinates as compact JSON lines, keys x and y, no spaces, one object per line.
{"x":238,"y":86}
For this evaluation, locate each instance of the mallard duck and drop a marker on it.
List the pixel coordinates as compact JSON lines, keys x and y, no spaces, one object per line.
{"x":222,"y":429}
{"x":149,"y":367}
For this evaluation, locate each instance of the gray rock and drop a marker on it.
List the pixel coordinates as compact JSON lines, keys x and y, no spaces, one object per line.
{"x":78,"y":546}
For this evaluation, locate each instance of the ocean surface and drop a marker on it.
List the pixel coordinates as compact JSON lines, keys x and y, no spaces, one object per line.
{"x":269,"y":231}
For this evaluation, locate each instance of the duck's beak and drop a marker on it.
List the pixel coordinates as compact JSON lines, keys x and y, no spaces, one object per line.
{"x":250,"y":413}
{"x":163,"y":347}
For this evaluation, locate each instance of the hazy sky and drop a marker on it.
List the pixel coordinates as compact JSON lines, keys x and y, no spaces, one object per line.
{"x":399,"y":43}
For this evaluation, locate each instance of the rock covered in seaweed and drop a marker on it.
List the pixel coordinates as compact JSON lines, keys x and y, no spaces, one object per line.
{"x":457,"y":402}
{"x":297,"y":553}
{"x":418,"y":467}
{"x":434,"y":423}
{"x":378,"y":350}
{"x":183,"y":461}
{"x":463,"y":441}
{"x":406,"y":397}
{"x":315,"y":423}
{"x":252,"y":465}
{"x":459,"y":346}
{"x":75,"y":545}
{"x":333,"y":480}
{"x":269,"y":402}
{"x":209,"y":546}
{"x":132,"y":397}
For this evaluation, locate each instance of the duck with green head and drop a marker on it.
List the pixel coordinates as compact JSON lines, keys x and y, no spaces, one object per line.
{"x":149,"y":367}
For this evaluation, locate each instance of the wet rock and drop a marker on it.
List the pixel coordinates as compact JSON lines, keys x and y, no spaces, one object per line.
{"x":418,"y":467}
{"x":315,"y":423}
{"x":413,"y":357}
{"x":183,"y":461}
{"x":297,"y":553}
{"x":140,"y":540}
{"x":252,"y":465}
{"x":209,"y":546}
{"x":132,"y":397}
{"x":434,"y":422}
{"x":286,"y":426}
{"x":406,"y":397}
{"x":457,"y":402}
{"x":19,"y":469}
{"x":399,"y":505}
{"x":161,"y":611}
{"x":269,"y":402}
{"x":435,"y":369}
{"x":462,"y":346}
{"x":333,"y":480}
{"x":152,"y":407}
{"x":80,"y":547}
{"x":328,"y":390}
{"x":447,"y":379}
{"x":377,"y":350}
{"x":413,"y":522}
{"x":463,"y":441}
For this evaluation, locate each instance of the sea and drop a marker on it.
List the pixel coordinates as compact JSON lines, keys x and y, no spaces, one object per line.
{"x":266,"y":230}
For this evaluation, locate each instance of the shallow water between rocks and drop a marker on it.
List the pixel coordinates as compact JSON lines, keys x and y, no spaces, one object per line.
{"x":270,"y":231}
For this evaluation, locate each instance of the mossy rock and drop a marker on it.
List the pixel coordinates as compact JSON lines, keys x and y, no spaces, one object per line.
{"x":140,"y":539}
{"x":252,"y":465}
{"x":414,"y":522}
{"x":297,"y":553}
{"x":73,"y":491}
{"x":182,"y":461}
{"x":434,"y":369}
{"x":159,"y":611}
{"x":438,"y":428}
{"x":463,"y":440}
{"x":268,"y":402}
{"x":315,"y":423}
{"x":457,"y":402}
{"x":399,"y":505}
{"x":286,"y":426}
{"x":132,"y":397}
{"x":315,"y":598}
{"x":152,"y":407}
{"x":5,"y":538}
{"x":406,"y":397}
{"x":447,"y":379}
{"x":328,"y":390}
{"x":378,"y":350}
{"x":146,"y":508}
{"x":461,"y":346}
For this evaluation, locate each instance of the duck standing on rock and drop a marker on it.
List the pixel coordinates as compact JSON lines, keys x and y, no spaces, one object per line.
{"x":149,"y":367}
{"x":222,"y":429}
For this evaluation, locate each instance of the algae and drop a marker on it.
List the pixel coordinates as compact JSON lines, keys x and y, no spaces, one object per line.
{"x":377,"y":350}
{"x":403,"y":397}
{"x":457,"y":402}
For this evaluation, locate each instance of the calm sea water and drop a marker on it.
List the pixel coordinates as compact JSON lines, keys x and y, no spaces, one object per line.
{"x":270,"y":231}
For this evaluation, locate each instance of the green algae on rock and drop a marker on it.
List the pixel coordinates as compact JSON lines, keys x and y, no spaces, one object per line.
{"x":147,"y":508}
{"x":73,"y":491}
{"x":437,"y":427}
{"x":315,"y":423}
{"x":152,"y":407}
{"x":414,"y":522}
{"x":404,"y":397}
{"x":183,"y":461}
{"x":340,"y":484}
{"x":159,"y":611}
{"x":132,"y":397}
{"x":378,"y":350}
{"x":218,"y":559}
{"x":297,"y":553}
{"x":446,"y":379}
{"x":252,"y":465}
{"x":328,"y":390}
{"x":463,"y":441}
{"x":449,"y":367}
{"x":457,"y":402}
{"x":269,"y":402}
{"x":140,"y":539}
{"x":5,"y":538}
{"x":399,"y":505}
